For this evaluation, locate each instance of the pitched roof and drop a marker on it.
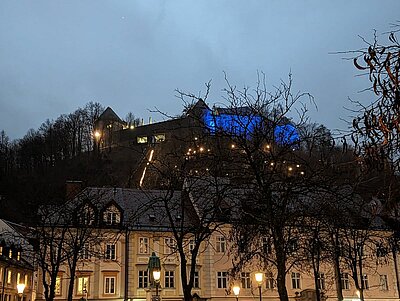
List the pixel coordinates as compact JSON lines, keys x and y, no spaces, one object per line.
{"x":109,"y":115}
{"x":142,"y":208}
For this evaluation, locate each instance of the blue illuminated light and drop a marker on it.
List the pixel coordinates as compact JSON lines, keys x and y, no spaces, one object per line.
{"x":245,"y":125}
{"x":233,"y":124}
{"x":286,"y":134}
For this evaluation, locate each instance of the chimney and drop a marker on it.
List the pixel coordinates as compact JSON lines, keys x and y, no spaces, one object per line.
{"x":72,"y":188}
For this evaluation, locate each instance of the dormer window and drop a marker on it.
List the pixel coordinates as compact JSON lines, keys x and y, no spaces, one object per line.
{"x":112,"y":215}
{"x":152,"y":217}
{"x":111,"y":218}
{"x":86,"y":216}
{"x":10,"y":253}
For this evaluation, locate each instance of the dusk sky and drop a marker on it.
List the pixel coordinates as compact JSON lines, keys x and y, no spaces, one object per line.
{"x":56,"y":56}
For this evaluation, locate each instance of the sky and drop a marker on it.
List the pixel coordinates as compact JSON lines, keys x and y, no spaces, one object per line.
{"x":56,"y":56}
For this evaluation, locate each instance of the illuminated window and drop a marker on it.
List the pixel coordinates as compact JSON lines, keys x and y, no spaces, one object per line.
{"x":57,"y":289}
{"x":9,"y":277}
{"x":220,"y":244}
{"x":142,"y":139}
{"x":82,"y":285}
{"x":18,"y":278}
{"x":19,"y":255}
{"x":109,"y":285}
{"x":10,"y":253}
{"x":159,"y":138}
{"x":26,"y":279}
{"x":143,"y":279}
{"x":143,"y":245}
{"x":1,"y":250}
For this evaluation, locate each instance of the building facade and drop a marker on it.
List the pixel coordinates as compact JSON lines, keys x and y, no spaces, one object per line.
{"x":118,"y":270}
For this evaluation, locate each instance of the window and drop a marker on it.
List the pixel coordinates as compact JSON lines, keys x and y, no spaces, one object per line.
{"x":321,"y":281}
{"x":87,"y":215}
{"x":169,"y":245}
{"x":169,"y":279}
{"x":141,"y":139}
{"x":10,"y":253}
{"x":143,"y":279}
{"x":109,"y":285}
{"x":269,"y":281}
{"x":159,"y":138}
{"x":266,"y":245}
{"x":191,"y":245}
{"x":18,"y":278}
{"x":221,"y":244}
{"x":85,"y":252}
{"x":365,"y":281}
{"x":57,"y":289}
{"x":296,"y":280}
{"x":19,"y":255}
{"x":245,"y":277}
{"x":110,"y":251}
{"x":222,"y":279}
{"x":111,"y":218}
{"x":82,"y":285}
{"x":1,"y":250}
{"x":345,"y":281}
{"x":26,"y":279}
{"x":196,"y":282}
{"x":9,"y":277}
{"x":383,"y":282}
{"x":1,"y":274}
{"x":143,"y":245}
{"x":293,"y":245}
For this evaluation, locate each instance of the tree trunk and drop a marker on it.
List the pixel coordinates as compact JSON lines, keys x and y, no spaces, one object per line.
{"x":281,"y":282}
{"x":72,"y":277}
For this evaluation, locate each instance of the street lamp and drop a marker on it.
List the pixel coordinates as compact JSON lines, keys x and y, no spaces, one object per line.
{"x":154,"y":268}
{"x":259,"y":280}
{"x":236,"y":291}
{"x":20,"y":289}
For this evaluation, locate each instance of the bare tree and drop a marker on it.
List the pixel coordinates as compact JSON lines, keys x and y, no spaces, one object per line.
{"x":64,"y":233}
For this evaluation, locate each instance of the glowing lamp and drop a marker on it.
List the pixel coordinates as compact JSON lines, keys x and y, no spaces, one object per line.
{"x":259,"y":278}
{"x":20,"y":288}
{"x":236,"y":290}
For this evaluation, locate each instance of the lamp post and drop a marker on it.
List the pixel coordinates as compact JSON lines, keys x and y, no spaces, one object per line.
{"x":20,"y":289}
{"x":154,"y":268}
{"x":236,"y":291}
{"x":259,"y":280}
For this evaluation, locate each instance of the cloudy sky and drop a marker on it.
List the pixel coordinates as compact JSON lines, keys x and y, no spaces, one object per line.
{"x":56,"y":56}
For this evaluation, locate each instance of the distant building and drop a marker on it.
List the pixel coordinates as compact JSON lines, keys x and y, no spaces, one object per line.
{"x":16,"y":263}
